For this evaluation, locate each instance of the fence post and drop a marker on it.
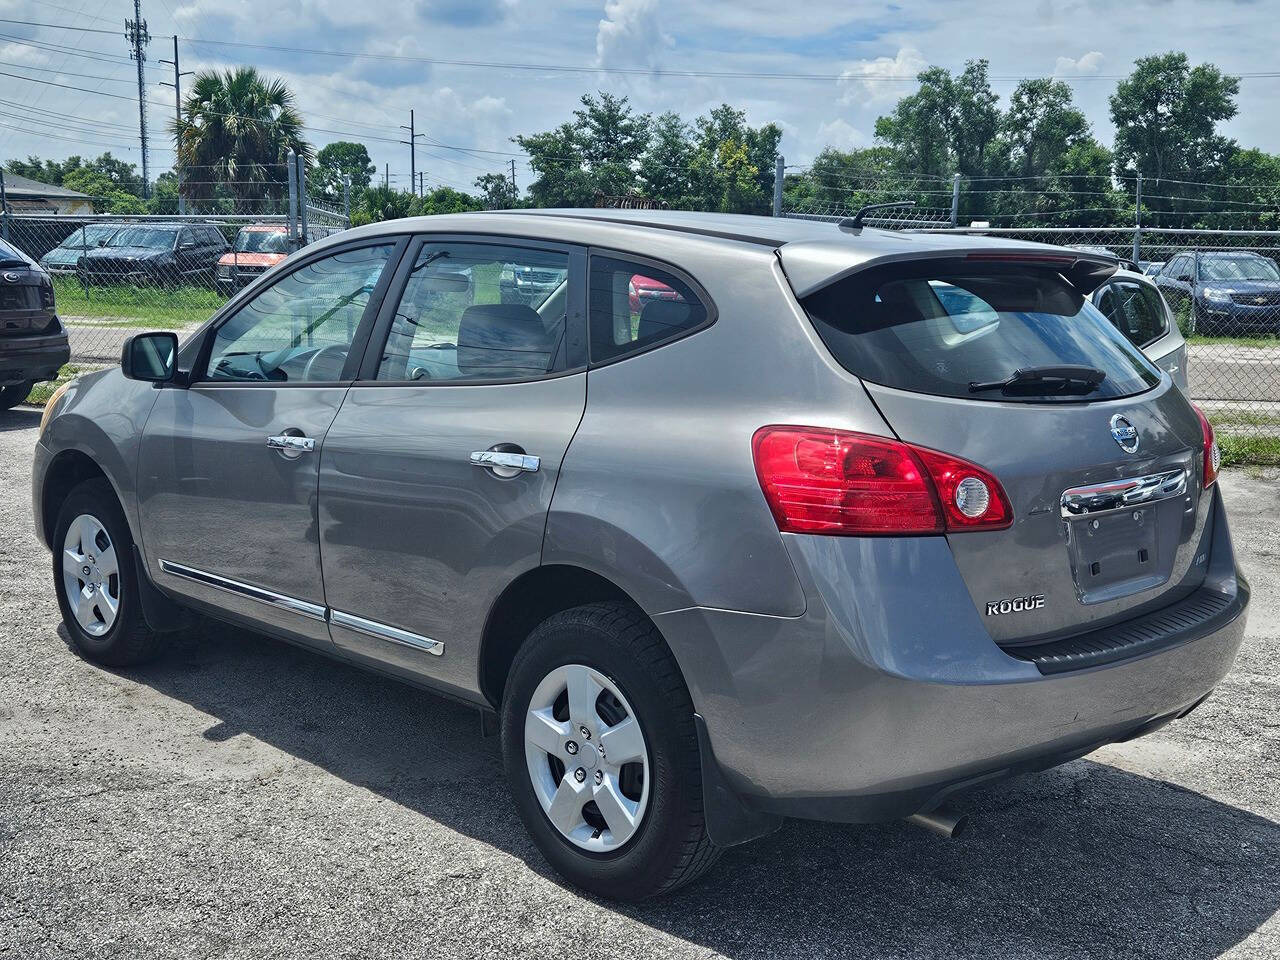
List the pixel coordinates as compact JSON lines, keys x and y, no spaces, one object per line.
{"x":304,"y":233}
{"x":346,"y":199}
{"x":779,"y":165}
{"x":955,"y":200}
{"x":1137,"y":223}
{"x":293,"y":202}
{"x":4,"y":211}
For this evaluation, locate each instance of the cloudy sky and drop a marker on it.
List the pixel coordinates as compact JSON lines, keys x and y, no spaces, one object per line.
{"x":865,"y":54}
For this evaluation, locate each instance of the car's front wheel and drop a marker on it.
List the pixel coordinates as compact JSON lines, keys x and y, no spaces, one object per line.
{"x":95,"y":579}
{"x":602,"y":755}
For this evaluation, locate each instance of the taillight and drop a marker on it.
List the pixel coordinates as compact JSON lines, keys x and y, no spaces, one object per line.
{"x":818,"y":480}
{"x":1212,"y":455}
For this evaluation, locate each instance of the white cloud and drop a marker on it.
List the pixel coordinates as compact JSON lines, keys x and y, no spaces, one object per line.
{"x":860,"y":86}
{"x":631,"y":34}
{"x":842,"y":135}
{"x":1087,"y":65}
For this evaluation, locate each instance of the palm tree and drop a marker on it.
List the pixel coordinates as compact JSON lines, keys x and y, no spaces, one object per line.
{"x":236,"y":131}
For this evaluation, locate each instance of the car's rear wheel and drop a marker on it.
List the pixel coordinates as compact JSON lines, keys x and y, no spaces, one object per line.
{"x":14,"y":395}
{"x":96,"y":581}
{"x":602,"y":755}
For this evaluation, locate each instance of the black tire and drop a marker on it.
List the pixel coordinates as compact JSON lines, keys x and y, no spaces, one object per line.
{"x":12,"y":396}
{"x":129,"y":640}
{"x":670,"y":847}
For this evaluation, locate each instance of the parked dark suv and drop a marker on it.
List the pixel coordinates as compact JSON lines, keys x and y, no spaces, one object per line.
{"x":33,"y":344}
{"x":156,"y":253}
{"x":1223,"y":292}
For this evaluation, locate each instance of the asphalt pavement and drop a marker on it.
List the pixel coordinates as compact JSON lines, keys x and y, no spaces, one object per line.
{"x":243,"y":798}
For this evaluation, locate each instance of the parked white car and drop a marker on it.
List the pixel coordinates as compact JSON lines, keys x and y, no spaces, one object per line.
{"x":1134,"y":304}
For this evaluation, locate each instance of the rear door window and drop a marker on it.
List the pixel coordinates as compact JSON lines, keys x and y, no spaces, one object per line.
{"x":929,"y":330}
{"x":1141,"y":312}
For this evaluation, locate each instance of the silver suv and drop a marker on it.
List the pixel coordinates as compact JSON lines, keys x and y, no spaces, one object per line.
{"x":847,"y":522}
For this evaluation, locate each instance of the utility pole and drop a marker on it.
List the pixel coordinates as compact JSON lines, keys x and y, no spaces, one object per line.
{"x":421,"y":192}
{"x":955,"y":200}
{"x":386,"y":175}
{"x":779,"y":167}
{"x":513,"y":178}
{"x":135,"y":31}
{"x":178,"y":74}
{"x":1137,"y":222}
{"x":413,"y":146}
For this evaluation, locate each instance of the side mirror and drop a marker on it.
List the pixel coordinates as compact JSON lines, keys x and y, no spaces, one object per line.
{"x":151,"y":357}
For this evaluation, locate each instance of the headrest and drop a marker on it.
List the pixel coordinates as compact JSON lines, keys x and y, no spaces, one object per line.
{"x":504,"y":341}
{"x":662,"y":317}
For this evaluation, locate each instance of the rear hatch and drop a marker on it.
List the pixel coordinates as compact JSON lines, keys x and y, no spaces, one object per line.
{"x":1099,"y":455}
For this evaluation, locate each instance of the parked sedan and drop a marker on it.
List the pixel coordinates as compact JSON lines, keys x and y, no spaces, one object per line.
{"x":1223,"y":292}
{"x":155,"y":253}
{"x":855,"y":521}
{"x":64,"y":257}
{"x":1132,"y":302}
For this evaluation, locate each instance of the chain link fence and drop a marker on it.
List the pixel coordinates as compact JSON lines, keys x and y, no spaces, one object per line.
{"x":116,"y":274}
{"x":1222,"y":288}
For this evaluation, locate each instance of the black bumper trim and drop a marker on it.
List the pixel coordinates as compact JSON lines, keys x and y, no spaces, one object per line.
{"x":1197,"y":615}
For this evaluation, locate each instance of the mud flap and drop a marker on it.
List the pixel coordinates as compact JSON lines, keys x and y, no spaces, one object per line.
{"x":162,"y":614}
{"x":729,"y":821}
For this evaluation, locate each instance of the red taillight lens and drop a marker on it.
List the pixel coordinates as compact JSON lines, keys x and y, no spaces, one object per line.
{"x":818,"y":480}
{"x":1212,"y":455}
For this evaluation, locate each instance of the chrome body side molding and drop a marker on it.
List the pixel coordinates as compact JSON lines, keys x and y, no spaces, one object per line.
{"x":301,"y":607}
{"x":382,"y":631}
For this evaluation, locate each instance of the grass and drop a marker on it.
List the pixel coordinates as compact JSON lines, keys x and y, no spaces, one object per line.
{"x":1243,"y":418}
{"x":133,"y":306}
{"x":1237,"y":450}
{"x":1260,"y":342}
{"x":41,"y":392}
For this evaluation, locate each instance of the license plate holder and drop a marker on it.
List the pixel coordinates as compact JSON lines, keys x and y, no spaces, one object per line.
{"x":1115,"y":554}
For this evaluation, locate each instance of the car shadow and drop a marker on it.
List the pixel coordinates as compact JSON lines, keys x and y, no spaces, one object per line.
{"x":1084,"y":861}
{"x":19,"y":418}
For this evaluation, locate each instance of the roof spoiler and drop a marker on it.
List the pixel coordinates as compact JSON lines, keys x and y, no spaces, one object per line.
{"x":811,"y":266}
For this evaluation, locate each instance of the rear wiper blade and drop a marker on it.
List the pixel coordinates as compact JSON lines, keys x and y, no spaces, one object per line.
{"x":1069,"y":377}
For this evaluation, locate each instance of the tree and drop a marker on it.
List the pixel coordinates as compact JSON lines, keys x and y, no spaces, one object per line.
{"x":947,"y":126}
{"x":113,"y":174}
{"x":339,"y":161}
{"x":446,"y":200}
{"x":597,"y":153}
{"x":236,"y":131}
{"x":1041,"y":124}
{"x":839,"y":182}
{"x":499,"y":193}
{"x":1166,"y":115}
{"x":732,"y":165}
{"x":665,"y":164}
{"x":382,"y":203}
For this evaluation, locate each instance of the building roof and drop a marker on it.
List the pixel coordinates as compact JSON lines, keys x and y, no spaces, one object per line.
{"x":16,"y":185}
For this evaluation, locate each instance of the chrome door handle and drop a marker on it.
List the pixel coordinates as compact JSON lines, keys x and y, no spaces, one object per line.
{"x":506,"y":464}
{"x":290,"y":445}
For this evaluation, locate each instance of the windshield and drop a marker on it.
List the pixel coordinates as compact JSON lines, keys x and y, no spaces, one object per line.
{"x":89,"y":235}
{"x":10,"y":255}
{"x":1238,"y":268}
{"x":261,"y":241}
{"x":939,"y":332}
{"x":154,"y":238}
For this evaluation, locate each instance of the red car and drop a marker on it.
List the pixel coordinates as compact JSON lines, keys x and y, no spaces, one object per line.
{"x":642,"y":290}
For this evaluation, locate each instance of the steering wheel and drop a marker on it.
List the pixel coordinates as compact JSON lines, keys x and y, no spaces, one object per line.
{"x":315,"y":357}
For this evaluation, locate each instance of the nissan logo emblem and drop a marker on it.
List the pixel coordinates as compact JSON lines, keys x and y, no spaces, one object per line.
{"x":12,"y":277}
{"x":1124,"y":433}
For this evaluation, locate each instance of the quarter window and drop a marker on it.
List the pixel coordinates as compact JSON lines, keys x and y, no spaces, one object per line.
{"x":1140,"y":314}
{"x":635,"y":306}
{"x":474,"y":311}
{"x":300,"y":329}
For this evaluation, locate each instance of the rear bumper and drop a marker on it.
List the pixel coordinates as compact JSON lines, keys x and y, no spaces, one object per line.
{"x":881,"y":700}
{"x":35,"y":357}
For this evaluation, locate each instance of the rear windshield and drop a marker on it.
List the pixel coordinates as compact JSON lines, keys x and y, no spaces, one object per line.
{"x":927,"y":330}
{"x":151,"y":237}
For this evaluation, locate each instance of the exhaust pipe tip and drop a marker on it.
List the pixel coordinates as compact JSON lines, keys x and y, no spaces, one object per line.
{"x":943,"y":821}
